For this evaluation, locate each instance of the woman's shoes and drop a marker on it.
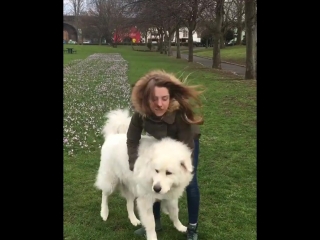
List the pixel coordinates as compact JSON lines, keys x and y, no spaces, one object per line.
{"x":192,"y":232}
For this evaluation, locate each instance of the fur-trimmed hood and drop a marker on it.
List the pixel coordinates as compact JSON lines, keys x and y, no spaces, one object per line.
{"x":137,"y":98}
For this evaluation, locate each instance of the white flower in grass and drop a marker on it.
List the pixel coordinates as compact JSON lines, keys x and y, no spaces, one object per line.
{"x":104,"y":85}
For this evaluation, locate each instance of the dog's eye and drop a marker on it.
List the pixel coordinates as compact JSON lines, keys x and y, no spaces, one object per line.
{"x":168,"y":173}
{"x":157,"y":171}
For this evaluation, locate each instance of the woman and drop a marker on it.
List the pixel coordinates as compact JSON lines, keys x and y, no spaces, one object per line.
{"x":165,"y":107}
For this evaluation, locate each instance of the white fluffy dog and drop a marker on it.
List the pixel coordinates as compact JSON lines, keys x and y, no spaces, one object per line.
{"x":161,"y":173}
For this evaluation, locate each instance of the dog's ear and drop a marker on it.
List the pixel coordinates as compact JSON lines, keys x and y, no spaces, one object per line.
{"x":186,"y":164}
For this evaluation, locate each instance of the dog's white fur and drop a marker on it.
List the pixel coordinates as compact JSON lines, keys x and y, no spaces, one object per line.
{"x":162,"y":165}
{"x":117,"y":122}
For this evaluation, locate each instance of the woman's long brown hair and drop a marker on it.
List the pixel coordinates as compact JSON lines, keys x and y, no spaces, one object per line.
{"x":188,"y":97}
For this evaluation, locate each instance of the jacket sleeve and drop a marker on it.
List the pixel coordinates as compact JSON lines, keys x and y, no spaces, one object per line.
{"x":133,"y":138}
{"x":185,"y":132}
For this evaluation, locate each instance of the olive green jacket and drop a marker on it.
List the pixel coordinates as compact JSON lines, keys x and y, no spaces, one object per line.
{"x":172,"y":124}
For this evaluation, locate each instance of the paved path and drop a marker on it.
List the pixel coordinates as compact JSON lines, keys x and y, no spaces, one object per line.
{"x":207,"y":62}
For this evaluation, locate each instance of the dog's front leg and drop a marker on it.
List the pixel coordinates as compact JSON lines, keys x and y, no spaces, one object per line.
{"x":145,"y":208}
{"x":130,"y":208}
{"x":173,"y":209}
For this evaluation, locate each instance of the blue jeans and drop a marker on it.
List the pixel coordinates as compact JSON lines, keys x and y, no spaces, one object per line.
{"x":193,"y":194}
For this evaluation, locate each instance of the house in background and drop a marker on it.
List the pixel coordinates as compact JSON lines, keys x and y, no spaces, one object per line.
{"x":183,"y":36}
{"x":152,"y":35}
{"x":243,"y":33}
{"x":134,"y":35}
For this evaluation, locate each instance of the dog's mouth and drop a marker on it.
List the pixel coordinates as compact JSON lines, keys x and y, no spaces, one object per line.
{"x":174,"y":185}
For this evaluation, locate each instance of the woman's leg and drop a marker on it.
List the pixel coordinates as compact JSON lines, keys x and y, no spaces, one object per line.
{"x":193,"y":196}
{"x":156,"y":210}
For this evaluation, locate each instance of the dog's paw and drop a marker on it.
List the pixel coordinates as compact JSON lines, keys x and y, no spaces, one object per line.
{"x":181,"y":228}
{"x":104,"y":214}
{"x":135,"y":222}
{"x":152,"y":238}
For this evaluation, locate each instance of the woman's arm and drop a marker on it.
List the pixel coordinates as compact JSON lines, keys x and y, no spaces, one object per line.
{"x":133,"y":138}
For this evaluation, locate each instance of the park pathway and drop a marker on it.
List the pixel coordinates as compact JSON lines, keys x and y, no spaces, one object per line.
{"x":207,"y":62}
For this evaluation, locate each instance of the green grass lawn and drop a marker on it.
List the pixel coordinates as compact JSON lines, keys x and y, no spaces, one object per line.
{"x":233,"y":54}
{"x":95,"y":83}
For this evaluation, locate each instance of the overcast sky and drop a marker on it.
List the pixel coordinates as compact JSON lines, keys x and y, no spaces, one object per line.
{"x":67,"y":6}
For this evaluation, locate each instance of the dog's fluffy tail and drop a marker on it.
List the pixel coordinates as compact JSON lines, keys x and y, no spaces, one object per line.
{"x":117,"y":122}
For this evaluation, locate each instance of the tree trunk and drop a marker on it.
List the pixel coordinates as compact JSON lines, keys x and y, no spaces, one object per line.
{"x":250,"y":19}
{"x":146,"y":38}
{"x":165,"y":42}
{"x":216,"y":60}
{"x":222,"y":41}
{"x":165,"y":45}
{"x":190,"y":45}
{"x":239,"y":31}
{"x":239,"y":22}
{"x":178,"y":43}
{"x":161,"y":43}
{"x":169,"y":44}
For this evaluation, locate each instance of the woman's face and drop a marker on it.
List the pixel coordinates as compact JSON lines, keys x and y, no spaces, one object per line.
{"x":160,"y":102}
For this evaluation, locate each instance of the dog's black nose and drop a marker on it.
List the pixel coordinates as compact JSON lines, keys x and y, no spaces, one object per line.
{"x":157,"y":188}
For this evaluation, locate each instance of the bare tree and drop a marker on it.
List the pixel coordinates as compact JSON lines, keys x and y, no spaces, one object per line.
{"x":251,"y":40}
{"x":118,"y":20}
{"x":160,"y":23}
{"x":99,"y":13}
{"x":228,"y":21}
{"x":212,"y":18}
{"x":77,"y":6}
{"x":216,"y":60}
{"x":240,"y":19}
{"x":89,"y":30}
{"x":108,"y":15}
{"x":166,"y":14}
{"x":171,"y":23}
{"x":77,"y":9}
{"x":191,"y":11}
{"x":178,"y":42}
{"x":233,"y":19}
